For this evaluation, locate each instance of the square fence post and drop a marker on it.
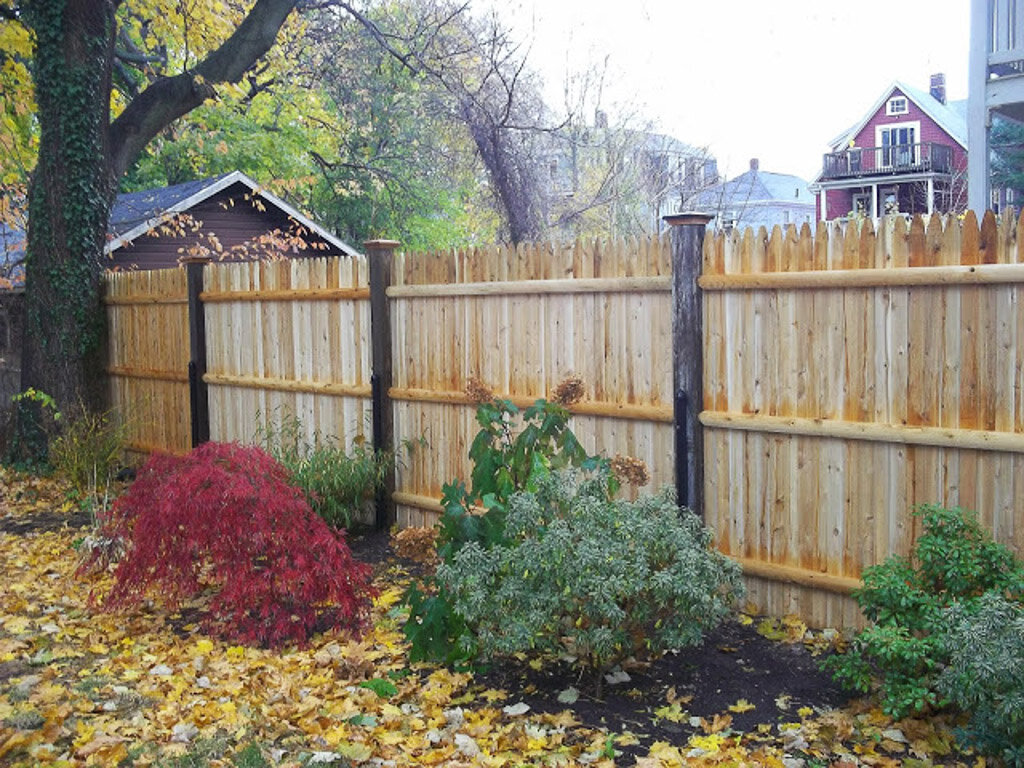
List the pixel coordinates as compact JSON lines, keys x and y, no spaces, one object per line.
{"x":198,"y":390}
{"x":688,"y":355}
{"x":381,"y":256}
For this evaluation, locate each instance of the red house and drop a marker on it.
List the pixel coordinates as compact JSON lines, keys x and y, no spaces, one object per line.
{"x":908,"y":154}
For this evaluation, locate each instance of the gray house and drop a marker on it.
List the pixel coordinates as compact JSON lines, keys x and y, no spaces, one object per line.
{"x":756,"y":198}
{"x":995,"y":86}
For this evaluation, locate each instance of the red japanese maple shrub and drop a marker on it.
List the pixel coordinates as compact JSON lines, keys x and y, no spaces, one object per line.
{"x":224,"y":519}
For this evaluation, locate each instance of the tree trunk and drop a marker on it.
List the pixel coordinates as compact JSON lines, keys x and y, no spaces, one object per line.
{"x":81,"y":157}
{"x":69,"y":200}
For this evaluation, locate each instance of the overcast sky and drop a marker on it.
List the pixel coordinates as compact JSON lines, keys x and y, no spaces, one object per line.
{"x":772,"y":79}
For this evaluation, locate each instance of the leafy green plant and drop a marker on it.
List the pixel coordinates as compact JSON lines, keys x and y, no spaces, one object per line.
{"x":513,"y":451}
{"x":985,"y":673}
{"x":953,"y":560}
{"x":336,"y":484}
{"x":599,"y":578}
{"x":33,"y":417}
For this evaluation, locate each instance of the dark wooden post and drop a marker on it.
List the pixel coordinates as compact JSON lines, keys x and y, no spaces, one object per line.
{"x":381,"y":257}
{"x":199,"y":396}
{"x":688,"y":355}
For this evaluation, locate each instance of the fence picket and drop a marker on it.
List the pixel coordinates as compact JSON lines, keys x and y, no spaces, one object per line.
{"x":891,"y":371}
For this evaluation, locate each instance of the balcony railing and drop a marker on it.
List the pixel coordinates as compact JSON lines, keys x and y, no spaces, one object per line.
{"x":880,"y":161}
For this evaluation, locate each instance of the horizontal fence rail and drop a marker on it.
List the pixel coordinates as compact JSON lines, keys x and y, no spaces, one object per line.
{"x":849,"y":374}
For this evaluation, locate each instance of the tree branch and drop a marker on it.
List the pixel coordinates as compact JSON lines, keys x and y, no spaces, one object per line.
{"x":169,"y":98}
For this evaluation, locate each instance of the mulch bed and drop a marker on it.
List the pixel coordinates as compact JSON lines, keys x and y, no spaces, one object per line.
{"x":734,"y":663}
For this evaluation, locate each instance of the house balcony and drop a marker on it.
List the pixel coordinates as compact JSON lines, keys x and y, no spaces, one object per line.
{"x":888,"y":161}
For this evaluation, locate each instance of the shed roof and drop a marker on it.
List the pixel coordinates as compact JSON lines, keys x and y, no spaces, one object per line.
{"x":135,"y":213}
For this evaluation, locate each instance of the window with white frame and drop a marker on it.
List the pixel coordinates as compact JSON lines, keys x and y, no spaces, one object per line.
{"x":897,"y":144}
{"x":897,"y":105}
{"x":862,"y":204}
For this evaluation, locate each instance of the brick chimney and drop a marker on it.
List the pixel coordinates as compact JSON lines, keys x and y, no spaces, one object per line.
{"x":938,"y":88}
{"x":754,"y":164}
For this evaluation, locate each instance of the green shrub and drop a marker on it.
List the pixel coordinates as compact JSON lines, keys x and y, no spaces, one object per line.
{"x":603,"y":579}
{"x":336,"y":484}
{"x":985,"y":674}
{"x":513,"y":451}
{"x":508,"y":457}
{"x":954,"y":560}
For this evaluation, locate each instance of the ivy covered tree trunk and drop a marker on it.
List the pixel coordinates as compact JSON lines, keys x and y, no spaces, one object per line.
{"x":69,"y":202}
{"x":82,"y":154}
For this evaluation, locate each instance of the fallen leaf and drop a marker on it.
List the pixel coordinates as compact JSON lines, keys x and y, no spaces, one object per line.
{"x":569,"y":696}
{"x":741,"y":706}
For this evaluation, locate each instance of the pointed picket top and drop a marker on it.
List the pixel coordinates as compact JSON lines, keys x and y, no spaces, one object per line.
{"x":969,"y":240}
{"x":847,"y":258}
{"x":916,"y":242}
{"x":805,"y":246}
{"x":834,"y":247}
{"x":746,"y":249}
{"x":1007,"y":224}
{"x":933,"y":240}
{"x":988,"y":245}
{"x":900,"y":243}
{"x":866,"y":246}
{"x":774,"y":250}
{"x":819,"y":257}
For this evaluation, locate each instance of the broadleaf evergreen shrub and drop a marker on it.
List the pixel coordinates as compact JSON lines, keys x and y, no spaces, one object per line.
{"x":224,"y":518}
{"x":985,"y":673}
{"x":953,"y":561}
{"x":513,"y":451}
{"x":603,"y":579}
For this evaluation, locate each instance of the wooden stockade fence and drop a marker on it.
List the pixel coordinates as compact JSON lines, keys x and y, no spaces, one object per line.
{"x":148,"y":355}
{"x":521,"y":320}
{"x":847,"y":376}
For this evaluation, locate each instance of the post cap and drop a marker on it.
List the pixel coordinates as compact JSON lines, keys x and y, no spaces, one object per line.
{"x":380,"y":245}
{"x":688,"y":217}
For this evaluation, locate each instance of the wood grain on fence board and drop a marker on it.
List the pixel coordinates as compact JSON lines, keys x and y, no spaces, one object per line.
{"x":851,"y":372}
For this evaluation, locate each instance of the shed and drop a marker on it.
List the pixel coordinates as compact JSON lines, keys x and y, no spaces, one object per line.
{"x":228,"y":217}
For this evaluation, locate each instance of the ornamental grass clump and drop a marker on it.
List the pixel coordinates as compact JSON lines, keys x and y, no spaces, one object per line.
{"x":337,"y":484}
{"x":603,"y":580}
{"x":224,"y":521}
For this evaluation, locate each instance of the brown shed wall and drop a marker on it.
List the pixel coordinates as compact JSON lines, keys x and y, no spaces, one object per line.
{"x":233,"y":218}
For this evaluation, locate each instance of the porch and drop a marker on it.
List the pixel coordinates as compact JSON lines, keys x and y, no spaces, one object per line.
{"x":927,"y":157}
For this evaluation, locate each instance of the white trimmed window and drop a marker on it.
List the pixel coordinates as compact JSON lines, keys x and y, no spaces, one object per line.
{"x":897,"y":144}
{"x":897,"y":105}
